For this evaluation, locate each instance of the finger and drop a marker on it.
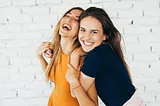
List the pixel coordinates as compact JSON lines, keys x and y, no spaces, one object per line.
{"x":51,"y":45}
{"x":42,"y":50}
{"x":45,"y":42}
{"x":50,"y":55}
{"x":45,"y":45}
{"x":47,"y":55}
{"x":51,"y":50}
{"x":48,"y":51}
{"x":46,"y":48}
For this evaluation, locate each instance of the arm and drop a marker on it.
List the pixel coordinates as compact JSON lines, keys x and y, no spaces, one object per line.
{"x":44,"y":48}
{"x":86,"y":81}
{"x":88,"y":98}
{"x":84,"y":98}
{"x":75,"y":60}
{"x":91,"y":68}
{"x":43,"y":62}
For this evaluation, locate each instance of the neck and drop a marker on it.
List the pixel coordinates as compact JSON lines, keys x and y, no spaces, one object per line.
{"x":67,"y":44}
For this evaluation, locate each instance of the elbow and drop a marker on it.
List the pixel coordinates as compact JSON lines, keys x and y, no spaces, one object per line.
{"x":93,"y":104}
{"x":89,"y":104}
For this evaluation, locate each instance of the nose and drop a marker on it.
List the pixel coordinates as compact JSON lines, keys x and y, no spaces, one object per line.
{"x":69,"y":19}
{"x":87,"y":36}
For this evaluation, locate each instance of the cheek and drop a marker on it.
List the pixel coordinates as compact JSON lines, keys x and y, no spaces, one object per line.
{"x":75,"y":26}
{"x":79,"y":37}
{"x":98,"y":39}
{"x":81,"y":34}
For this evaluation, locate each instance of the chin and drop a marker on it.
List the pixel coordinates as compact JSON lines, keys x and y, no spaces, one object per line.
{"x":62,"y":33}
{"x":86,"y":49}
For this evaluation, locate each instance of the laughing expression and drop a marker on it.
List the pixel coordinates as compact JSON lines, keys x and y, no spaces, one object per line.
{"x":69,"y":24}
{"x":90,"y":33}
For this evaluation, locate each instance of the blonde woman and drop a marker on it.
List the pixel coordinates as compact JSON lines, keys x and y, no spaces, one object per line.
{"x":64,"y":42}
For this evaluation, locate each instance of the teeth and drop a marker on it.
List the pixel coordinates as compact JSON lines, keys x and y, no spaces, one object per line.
{"x":88,"y":44}
{"x":65,"y":25}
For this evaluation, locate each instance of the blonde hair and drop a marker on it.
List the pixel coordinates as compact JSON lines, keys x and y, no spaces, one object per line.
{"x":57,"y":47}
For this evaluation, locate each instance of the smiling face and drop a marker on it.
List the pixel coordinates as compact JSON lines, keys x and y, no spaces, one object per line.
{"x":90,"y":33}
{"x":69,"y":24}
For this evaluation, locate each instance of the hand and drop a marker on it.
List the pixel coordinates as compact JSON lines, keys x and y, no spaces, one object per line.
{"x":43,"y":47}
{"x":72,"y":77}
{"x":48,"y":53}
{"x":75,"y":58}
{"x":78,"y":52}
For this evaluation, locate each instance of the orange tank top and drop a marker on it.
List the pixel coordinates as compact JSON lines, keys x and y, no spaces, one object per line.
{"x":61,"y":94}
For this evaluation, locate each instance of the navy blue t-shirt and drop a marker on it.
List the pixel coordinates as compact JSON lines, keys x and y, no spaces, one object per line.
{"x":112,"y":81}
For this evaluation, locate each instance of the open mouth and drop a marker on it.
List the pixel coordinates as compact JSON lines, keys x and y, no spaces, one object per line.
{"x":88,"y":43}
{"x":66,"y":27}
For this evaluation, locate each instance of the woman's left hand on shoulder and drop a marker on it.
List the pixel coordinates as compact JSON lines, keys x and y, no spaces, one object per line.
{"x":78,"y":52}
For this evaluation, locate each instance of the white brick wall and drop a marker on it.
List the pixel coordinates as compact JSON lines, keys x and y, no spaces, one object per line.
{"x":24,"y":24}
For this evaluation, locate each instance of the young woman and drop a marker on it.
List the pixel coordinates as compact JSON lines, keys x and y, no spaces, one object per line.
{"x":64,"y":42}
{"x":104,"y":63}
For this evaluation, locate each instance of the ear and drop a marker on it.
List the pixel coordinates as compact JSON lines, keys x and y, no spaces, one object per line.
{"x":105,"y":37}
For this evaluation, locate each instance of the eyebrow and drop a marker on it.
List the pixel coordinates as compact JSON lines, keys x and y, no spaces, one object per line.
{"x":91,"y":29}
{"x":95,"y":30}
{"x":75,"y":16}
{"x":82,"y":27}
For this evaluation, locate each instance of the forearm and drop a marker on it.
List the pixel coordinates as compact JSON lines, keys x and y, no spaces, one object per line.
{"x":75,"y":61}
{"x":43,"y":62}
{"x":83,"y":98}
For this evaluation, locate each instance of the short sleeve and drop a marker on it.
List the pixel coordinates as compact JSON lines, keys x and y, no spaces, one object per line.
{"x":91,"y":66}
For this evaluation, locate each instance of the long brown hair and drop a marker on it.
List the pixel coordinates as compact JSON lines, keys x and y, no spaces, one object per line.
{"x":113,"y":35}
{"x":56,"y":45}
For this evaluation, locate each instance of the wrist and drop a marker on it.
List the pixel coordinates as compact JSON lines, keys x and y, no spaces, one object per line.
{"x":75,"y":84}
{"x":76,"y":87}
